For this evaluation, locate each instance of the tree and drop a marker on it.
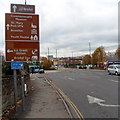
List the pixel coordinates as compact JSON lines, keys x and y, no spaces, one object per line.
{"x":117,"y":53}
{"x":86,"y":60}
{"x":94,"y":58}
{"x":98,"y":56}
{"x":45,"y":63}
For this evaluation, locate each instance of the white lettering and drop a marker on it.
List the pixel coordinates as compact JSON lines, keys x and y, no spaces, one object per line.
{"x":14,"y":36}
{"x":16,"y":30}
{"x":19,"y":58}
{"x":20,"y":53}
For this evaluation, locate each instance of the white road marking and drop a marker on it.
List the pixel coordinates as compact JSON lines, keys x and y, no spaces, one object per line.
{"x":51,"y":71}
{"x":68,"y":78}
{"x":113,"y":80}
{"x":99,"y":101}
{"x":71,"y":78}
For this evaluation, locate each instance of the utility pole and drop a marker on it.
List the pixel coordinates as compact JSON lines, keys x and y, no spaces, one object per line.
{"x":72,"y":54}
{"x":56,"y":53}
{"x":48,"y":53}
{"x":89,"y":49}
{"x":25,"y":2}
{"x":90,"y":52}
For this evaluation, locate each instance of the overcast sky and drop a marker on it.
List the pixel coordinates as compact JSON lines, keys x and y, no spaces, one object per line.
{"x":69,"y":25}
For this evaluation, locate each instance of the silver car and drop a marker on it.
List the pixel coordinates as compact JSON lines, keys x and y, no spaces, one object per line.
{"x":114,"y":69}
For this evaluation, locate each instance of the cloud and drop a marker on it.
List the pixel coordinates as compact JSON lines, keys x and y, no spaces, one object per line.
{"x":69,"y":25}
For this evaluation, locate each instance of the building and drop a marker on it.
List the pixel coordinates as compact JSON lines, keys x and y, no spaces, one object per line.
{"x":50,"y":57}
{"x":67,"y":61}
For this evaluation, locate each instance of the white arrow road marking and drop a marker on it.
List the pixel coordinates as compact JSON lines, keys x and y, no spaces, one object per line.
{"x":113,"y":80}
{"x":14,"y":8}
{"x":105,"y":105}
{"x":98,"y":101}
{"x":94,"y":99}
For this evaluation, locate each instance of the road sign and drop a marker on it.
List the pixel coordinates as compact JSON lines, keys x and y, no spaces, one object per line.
{"x":20,"y":8}
{"x":17,"y":65}
{"x":22,"y":51}
{"x":22,"y":27}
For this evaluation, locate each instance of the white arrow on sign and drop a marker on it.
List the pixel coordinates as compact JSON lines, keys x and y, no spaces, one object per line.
{"x":98,"y":101}
{"x":7,"y":26}
{"x":31,"y":37}
{"x":9,"y":51}
{"x":14,"y":8}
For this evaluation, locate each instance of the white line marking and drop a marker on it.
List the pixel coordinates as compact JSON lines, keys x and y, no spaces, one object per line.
{"x":113,"y":80}
{"x":71,"y":78}
{"x":68,"y":78}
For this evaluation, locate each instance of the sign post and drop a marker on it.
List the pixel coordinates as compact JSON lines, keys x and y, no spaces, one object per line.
{"x":21,"y":39}
{"x":23,"y":92}
{"x":15,"y":88}
{"x":14,"y":67}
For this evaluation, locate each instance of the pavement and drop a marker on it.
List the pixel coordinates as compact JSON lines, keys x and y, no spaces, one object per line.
{"x":42,"y":102}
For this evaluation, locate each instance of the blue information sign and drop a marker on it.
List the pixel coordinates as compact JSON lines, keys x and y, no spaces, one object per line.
{"x":17,"y":65}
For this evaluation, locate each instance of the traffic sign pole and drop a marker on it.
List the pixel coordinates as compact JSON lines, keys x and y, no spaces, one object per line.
{"x":22,"y":40}
{"x":15,"y":88}
{"x":23,"y":93}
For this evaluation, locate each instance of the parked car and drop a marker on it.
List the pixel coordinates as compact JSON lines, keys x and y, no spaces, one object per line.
{"x":114,"y":69}
{"x":41,"y":71}
{"x":34,"y":69}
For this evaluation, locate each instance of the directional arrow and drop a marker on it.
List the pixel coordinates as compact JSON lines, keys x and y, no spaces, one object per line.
{"x":31,"y":37}
{"x":14,"y":8}
{"x":7,"y":26}
{"x":9,"y":51}
{"x":99,"y":101}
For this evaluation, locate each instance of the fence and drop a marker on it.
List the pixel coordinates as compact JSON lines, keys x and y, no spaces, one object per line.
{"x":8,"y":90}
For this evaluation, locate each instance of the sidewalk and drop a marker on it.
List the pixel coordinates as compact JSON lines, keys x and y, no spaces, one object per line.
{"x":42,"y":102}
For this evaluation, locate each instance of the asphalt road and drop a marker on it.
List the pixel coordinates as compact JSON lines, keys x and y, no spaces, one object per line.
{"x":86,"y":88}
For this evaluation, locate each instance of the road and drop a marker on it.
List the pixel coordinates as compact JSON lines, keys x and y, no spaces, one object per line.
{"x":95,"y":93}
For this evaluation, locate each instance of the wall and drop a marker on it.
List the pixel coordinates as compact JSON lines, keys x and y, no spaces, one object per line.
{"x":8,"y":90}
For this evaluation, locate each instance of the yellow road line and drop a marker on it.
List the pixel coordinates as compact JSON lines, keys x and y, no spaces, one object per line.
{"x":72,"y":104}
{"x":80,"y":116}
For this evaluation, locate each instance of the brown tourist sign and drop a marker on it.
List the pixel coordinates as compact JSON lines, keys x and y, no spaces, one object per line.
{"x":22,"y":27}
{"x":22,"y":51}
{"x":22,"y":37}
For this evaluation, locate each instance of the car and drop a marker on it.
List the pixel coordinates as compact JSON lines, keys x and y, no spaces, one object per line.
{"x":41,"y":71}
{"x":34,"y":69}
{"x":114,"y":69}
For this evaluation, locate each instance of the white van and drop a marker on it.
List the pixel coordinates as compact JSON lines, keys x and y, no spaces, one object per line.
{"x":114,"y":69}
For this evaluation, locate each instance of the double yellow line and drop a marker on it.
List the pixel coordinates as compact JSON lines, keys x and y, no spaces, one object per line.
{"x":78,"y":113}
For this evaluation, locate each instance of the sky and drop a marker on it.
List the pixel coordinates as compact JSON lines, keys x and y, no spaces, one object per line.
{"x":70,"y":25}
